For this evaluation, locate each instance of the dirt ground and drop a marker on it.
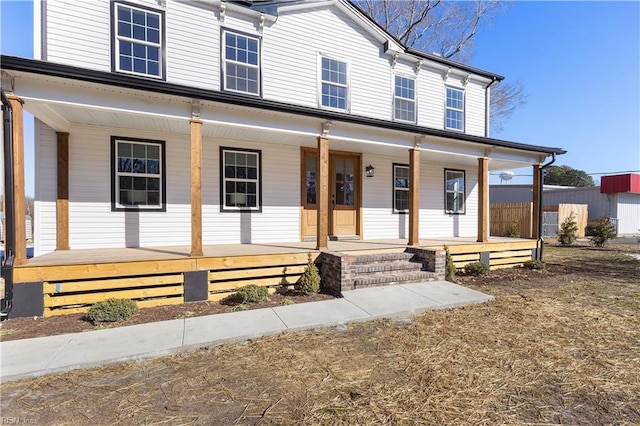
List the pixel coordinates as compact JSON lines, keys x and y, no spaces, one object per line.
{"x":555,"y":347}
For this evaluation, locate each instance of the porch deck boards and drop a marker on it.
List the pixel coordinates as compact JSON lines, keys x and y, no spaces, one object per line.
{"x":142,"y":254}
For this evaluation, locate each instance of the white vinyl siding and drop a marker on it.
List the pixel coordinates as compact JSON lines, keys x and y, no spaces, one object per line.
{"x":379,"y":220}
{"x":280,"y":195}
{"x":192,"y":54}
{"x":88,"y":24}
{"x":434,"y":222}
{"x":45,"y":188}
{"x":475,"y":122}
{"x":92,"y":224}
{"x":291,"y":69}
{"x":429,"y":89}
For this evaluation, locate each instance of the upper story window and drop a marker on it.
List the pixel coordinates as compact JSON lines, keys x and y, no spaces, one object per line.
{"x":404,"y":99}
{"x":241,"y":63}
{"x":454,"y":119}
{"x":400,"y":188}
{"x":138,"y":44}
{"x":454,"y":191}
{"x":334,"y":80}
{"x":240,"y":177}
{"x":138,"y":174}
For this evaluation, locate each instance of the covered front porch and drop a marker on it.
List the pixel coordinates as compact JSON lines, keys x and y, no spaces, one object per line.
{"x":69,"y":281}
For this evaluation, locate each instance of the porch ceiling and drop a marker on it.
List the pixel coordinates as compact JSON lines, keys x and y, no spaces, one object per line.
{"x":61,"y":104}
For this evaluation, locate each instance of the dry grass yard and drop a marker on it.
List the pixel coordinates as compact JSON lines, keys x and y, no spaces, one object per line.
{"x":555,"y":347}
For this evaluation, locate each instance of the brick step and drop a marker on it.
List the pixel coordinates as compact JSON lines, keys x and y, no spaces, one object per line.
{"x":382,"y":257}
{"x":387,"y":266}
{"x":386,"y":278}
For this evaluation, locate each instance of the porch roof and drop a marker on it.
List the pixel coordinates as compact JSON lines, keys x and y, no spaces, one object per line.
{"x":49,"y":69}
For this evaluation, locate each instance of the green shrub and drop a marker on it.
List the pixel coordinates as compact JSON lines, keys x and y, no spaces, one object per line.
{"x":112,"y":310}
{"x":475,"y":269}
{"x":513,"y":231}
{"x":450,"y":268}
{"x":603,"y":232}
{"x":251,"y":294}
{"x":240,"y":307}
{"x":535,"y":264}
{"x":568,"y":233}
{"x":309,"y":282}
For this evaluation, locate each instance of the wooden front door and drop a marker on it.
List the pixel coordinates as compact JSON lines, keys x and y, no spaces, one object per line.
{"x":343,"y":191}
{"x":344,"y":194}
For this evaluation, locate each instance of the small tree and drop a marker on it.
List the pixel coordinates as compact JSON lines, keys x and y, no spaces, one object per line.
{"x":603,"y":232}
{"x":513,"y":231}
{"x":450,"y":267}
{"x":568,"y":230}
{"x":309,"y":282}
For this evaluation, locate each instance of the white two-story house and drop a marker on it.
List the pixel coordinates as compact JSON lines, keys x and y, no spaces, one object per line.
{"x":206,"y":122}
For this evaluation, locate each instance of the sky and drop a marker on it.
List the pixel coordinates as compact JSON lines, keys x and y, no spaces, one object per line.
{"x":579,"y":62}
{"x":580,"y":65}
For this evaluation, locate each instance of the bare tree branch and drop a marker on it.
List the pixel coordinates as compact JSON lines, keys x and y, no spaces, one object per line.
{"x":506,"y":97}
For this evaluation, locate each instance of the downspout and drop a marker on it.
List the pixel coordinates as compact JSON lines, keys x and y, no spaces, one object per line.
{"x":540,"y":189}
{"x":9,"y":236}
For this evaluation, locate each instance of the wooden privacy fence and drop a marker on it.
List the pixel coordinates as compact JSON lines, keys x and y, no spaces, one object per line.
{"x":511,"y":217}
{"x":580,"y":211}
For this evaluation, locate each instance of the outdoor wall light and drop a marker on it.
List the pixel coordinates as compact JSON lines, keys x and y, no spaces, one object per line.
{"x":369,"y":171}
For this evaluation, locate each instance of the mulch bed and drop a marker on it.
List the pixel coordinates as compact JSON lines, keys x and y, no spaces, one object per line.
{"x":25,"y":328}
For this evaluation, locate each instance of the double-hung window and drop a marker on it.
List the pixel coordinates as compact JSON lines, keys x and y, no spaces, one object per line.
{"x":404,"y":99}
{"x":138,"y":42}
{"x":400,"y":188}
{"x":240,"y":178}
{"x":241,"y":62}
{"x":454,"y":191}
{"x":138,"y":174}
{"x":334,"y":84}
{"x":454,"y":119}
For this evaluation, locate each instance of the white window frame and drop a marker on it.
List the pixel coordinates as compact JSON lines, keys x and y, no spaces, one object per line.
{"x":448,"y":108}
{"x":117,"y":38}
{"x":346,"y":86}
{"x":116,"y":204}
{"x":461,"y":192}
{"x":226,"y":61}
{"x":396,"y":188}
{"x":224,"y":179}
{"x":396,"y":97}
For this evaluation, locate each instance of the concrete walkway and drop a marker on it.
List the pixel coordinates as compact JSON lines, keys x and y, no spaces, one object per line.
{"x":45,"y":355}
